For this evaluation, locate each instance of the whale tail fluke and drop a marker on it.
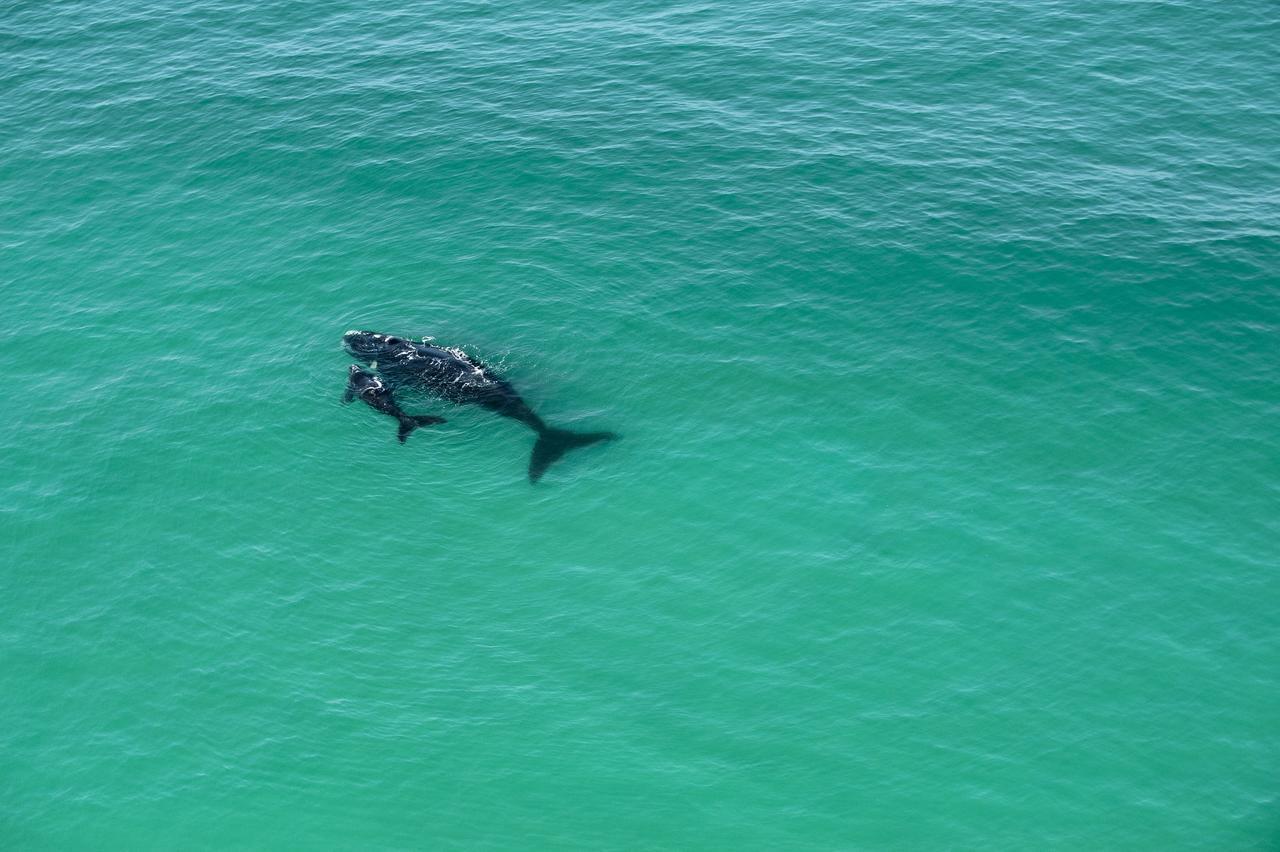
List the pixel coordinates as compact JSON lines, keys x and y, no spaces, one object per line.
{"x":553,"y":443}
{"x":412,"y":421}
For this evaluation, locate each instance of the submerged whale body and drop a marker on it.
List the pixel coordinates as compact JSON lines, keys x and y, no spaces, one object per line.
{"x":375,"y":394}
{"x":453,"y":375}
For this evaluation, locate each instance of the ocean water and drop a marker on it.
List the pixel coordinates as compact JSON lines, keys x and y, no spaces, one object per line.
{"x":941,"y":337}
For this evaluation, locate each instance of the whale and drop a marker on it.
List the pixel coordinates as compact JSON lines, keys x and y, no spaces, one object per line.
{"x":371,"y":390}
{"x":456,"y":377}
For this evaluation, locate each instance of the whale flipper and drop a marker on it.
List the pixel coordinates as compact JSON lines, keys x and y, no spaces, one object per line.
{"x":412,"y":421}
{"x":553,"y":443}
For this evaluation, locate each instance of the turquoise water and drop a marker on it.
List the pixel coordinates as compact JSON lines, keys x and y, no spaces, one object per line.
{"x":942,"y":339}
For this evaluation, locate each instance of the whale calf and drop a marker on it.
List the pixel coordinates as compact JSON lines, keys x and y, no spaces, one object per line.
{"x":455,"y":376}
{"x":375,"y":394}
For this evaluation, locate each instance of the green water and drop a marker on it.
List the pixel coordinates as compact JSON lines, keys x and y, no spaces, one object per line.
{"x":942,"y":339}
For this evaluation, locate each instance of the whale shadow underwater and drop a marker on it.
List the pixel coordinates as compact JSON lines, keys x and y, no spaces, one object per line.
{"x":454,"y":376}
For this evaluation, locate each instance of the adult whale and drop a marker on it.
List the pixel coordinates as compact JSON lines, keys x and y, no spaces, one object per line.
{"x":455,"y":376}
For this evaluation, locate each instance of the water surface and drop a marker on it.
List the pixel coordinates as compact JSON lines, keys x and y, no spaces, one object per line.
{"x":941,"y":337}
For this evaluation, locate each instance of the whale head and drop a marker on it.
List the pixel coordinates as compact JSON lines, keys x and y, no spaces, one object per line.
{"x":372,"y":345}
{"x":359,"y":379}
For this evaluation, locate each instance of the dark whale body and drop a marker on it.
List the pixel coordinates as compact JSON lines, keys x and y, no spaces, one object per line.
{"x":453,"y":375}
{"x":375,"y":394}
